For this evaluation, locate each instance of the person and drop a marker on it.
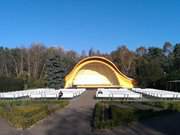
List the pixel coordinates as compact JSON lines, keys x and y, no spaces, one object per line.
{"x":60,"y":94}
{"x":100,"y":92}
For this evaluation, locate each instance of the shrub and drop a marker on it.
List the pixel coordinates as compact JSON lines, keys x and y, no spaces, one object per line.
{"x":24,"y":113}
{"x":122,"y":116}
{"x":36,"y":83}
{"x":111,"y":114}
{"x":166,"y":105}
{"x":10,"y":84}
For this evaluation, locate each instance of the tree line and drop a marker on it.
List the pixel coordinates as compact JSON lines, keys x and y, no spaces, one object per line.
{"x":41,"y":66}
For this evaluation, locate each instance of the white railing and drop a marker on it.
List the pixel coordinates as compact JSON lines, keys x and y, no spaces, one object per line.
{"x":117,"y":93}
{"x":43,"y":93}
{"x":158,"y":93}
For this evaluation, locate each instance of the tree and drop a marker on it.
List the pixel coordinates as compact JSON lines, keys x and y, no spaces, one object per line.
{"x":141,"y":51}
{"x":167,"y":48}
{"x":151,"y":67}
{"x":177,"y":56}
{"x":148,"y":72}
{"x":55,"y":72}
{"x":36,"y":60}
{"x":124,"y":59}
{"x":93,"y":52}
{"x":83,"y":54}
{"x":155,"y":52}
{"x":168,"y":54}
{"x":36,"y":63}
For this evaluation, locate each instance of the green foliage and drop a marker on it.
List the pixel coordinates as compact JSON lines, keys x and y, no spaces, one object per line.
{"x":122,"y":116}
{"x":158,"y":66}
{"x":11,"y":84}
{"x":174,"y":75}
{"x":36,"y":83}
{"x":124,"y":60}
{"x":149,"y":72}
{"x":177,"y":56}
{"x":39,"y":66}
{"x":24,"y":113}
{"x":102,"y":117}
{"x":109,"y":115}
{"x":55,"y":72}
{"x":167,"y":48}
{"x":155,"y":52}
{"x":166,"y":105}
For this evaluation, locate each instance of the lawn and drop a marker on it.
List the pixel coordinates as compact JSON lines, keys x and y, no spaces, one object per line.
{"x":24,"y":113}
{"x":112,"y":114}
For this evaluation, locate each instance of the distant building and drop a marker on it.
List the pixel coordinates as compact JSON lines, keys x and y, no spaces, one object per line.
{"x":97,"y":72}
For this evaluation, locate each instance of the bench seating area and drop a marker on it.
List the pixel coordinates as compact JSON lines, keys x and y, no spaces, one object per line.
{"x":43,"y":93}
{"x":117,"y":93}
{"x":158,"y":93}
{"x":121,"y":93}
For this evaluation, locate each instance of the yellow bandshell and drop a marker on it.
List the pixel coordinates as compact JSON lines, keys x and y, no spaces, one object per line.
{"x":97,"y":72}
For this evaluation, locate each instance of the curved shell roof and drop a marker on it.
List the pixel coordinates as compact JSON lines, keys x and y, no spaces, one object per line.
{"x":124,"y":81}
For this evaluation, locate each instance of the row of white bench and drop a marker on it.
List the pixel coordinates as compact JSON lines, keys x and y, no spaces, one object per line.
{"x":158,"y":93}
{"x":117,"y":93}
{"x":135,"y":93}
{"x":43,"y":93}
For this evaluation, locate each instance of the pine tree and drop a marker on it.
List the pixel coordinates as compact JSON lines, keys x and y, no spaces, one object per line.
{"x":55,"y":72}
{"x":177,"y":56}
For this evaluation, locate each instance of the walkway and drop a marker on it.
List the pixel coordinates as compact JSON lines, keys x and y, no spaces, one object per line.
{"x":74,"y":120}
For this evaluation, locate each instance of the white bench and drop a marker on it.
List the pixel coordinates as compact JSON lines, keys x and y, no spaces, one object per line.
{"x":116,"y":93}
{"x":158,"y":93}
{"x":43,"y":93}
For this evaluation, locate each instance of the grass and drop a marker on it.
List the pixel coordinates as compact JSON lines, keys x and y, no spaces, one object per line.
{"x":112,"y":114}
{"x":167,"y":105}
{"x":24,"y":113}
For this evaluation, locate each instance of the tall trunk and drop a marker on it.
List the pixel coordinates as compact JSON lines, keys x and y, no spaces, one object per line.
{"x":22,"y":63}
{"x":42,"y":71}
{"x":16,"y":65}
{"x":29,"y":64}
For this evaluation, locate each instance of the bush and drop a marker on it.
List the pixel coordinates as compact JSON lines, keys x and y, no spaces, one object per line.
{"x":122,"y":116}
{"x":11,"y":84}
{"x":24,"y":113}
{"x":166,"y":105}
{"x":102,"y":116}
{"x":108,"y":115}
{"x":36,"y":83}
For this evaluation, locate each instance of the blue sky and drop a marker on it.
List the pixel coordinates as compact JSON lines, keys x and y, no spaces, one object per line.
{"x":84,"y":24}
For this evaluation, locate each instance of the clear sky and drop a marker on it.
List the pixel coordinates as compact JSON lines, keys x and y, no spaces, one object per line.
{"x":84,"y":24}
